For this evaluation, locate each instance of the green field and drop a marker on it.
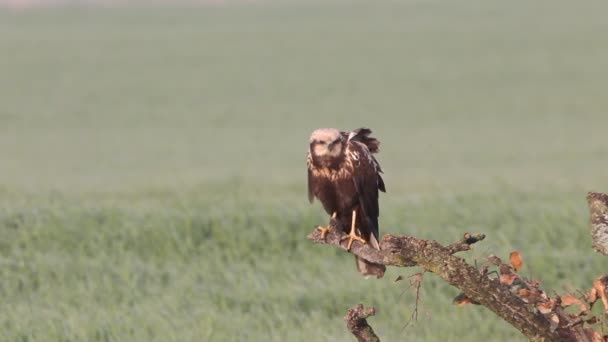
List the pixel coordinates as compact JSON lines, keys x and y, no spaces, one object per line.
{"x":152,"y":161}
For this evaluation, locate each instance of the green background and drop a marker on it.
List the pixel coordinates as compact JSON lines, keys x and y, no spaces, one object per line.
{"x":152,"y":161}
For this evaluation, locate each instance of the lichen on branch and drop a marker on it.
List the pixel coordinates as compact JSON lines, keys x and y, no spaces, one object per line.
{"x":407,"y":251}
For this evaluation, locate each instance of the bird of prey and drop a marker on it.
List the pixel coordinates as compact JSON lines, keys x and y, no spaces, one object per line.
{"x":345,"y":177}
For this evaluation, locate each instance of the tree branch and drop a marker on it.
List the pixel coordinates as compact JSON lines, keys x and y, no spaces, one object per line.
{"x":357,"y":324}
{"x":406,"y":251}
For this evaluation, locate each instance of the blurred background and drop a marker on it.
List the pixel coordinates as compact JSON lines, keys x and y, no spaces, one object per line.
{"x":152,"y":160}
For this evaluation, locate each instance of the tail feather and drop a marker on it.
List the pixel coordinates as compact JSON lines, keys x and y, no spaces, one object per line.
{"x":369,"y":269}
{"x":374,"y":242}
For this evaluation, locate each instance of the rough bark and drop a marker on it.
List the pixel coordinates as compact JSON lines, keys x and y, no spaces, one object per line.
{"x":598,"y":220}
{"x":356,"y":323}
{"x":406,"y":251}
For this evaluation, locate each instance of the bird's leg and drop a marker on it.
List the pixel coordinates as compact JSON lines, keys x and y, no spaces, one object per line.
{"x":325,"y":230}
{"x":352,"y":235}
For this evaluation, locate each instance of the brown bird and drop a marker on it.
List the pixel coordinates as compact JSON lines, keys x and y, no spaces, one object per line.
{"x":345,"y":177}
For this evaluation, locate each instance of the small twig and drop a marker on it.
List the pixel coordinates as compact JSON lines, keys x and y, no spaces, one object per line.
{"x":574,"y":322}
{"x":357,"y":324}
{"x":415,"y":282}
{"x":465,"y":243}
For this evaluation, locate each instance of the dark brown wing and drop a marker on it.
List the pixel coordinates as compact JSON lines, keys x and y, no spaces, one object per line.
{"x":367,"y":183}
{"x":311,"y":180}
{"x":381,"y":185}
{"x":362,"y":135}
{"x":373,"y":145}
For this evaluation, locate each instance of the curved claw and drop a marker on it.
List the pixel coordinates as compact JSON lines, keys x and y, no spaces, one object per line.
{"x":324,"y":231}
{"x":352,"y":237}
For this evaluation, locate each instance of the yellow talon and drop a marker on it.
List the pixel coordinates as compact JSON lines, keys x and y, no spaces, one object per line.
{"x":325,"y":230}
{"x":352,"y":236}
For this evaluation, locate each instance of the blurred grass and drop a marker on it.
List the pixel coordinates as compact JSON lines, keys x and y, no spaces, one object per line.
{"x":152,"y":161}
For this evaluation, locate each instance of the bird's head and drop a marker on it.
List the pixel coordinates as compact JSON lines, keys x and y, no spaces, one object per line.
{"x":326,"y":143}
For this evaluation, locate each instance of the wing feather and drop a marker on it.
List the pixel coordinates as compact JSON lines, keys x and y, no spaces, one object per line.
{"x":381,"y":185}
{"x":362,"y":135}
{"x":367,"y":183}
{"x":311,"y":179}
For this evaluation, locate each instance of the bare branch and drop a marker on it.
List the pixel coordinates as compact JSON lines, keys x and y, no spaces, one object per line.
{"x":406,"y":251}
{"x":465,"y":243}
{"x":514,"y":298}
{"x":383,"y":256}
{"x":357,"y":324}
{"x":598,"y":220}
